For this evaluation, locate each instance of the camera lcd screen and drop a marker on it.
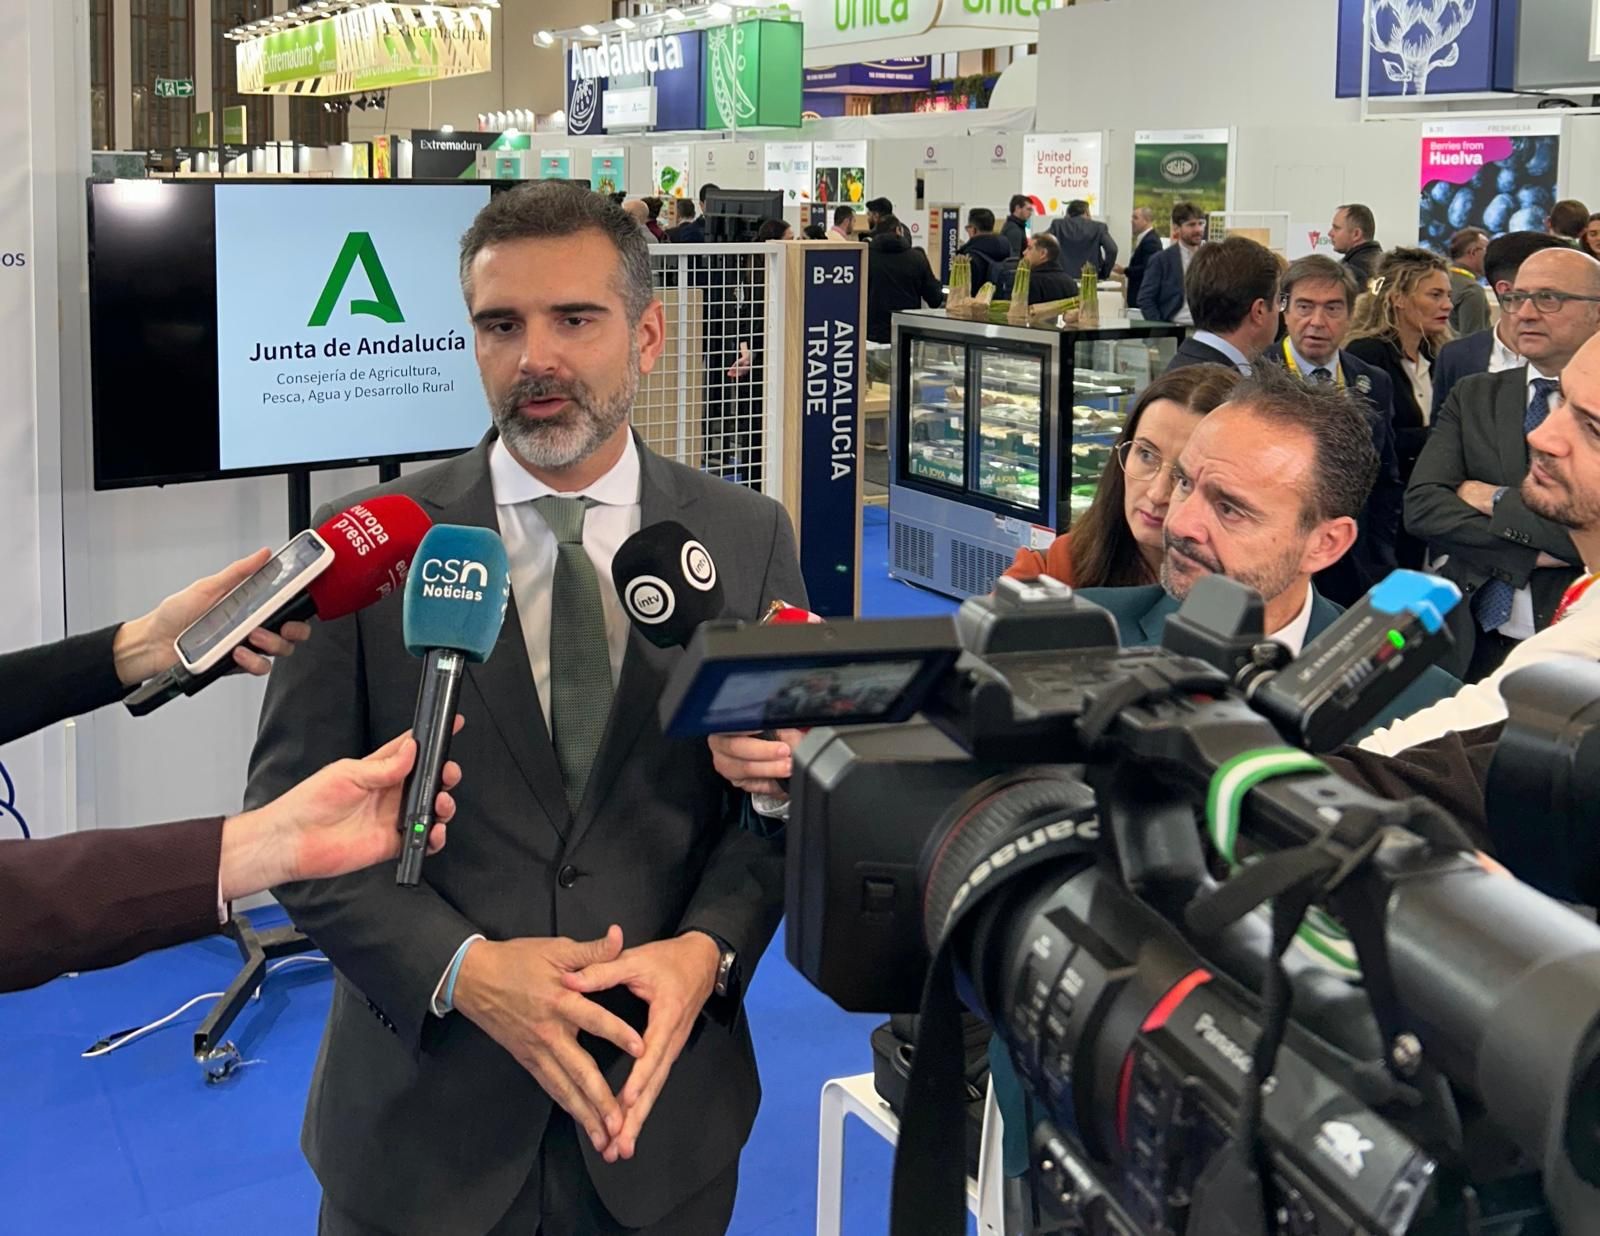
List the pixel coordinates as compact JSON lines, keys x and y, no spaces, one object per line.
{"x":785,"y":695}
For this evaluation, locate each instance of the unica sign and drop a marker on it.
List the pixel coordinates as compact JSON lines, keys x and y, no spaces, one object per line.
{"x":839,"y":23}
{"x":868,"y":15}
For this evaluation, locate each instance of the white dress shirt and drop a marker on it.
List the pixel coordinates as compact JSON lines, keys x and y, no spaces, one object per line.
{"x":531,"y":549}
{"x":1420,"y":372}
{"x":1502,"y":357}
{"x":1293,"y":636}
{"x":1183,"y":317}
{"x":1576,"y":635}
{"x":1240,"y":361}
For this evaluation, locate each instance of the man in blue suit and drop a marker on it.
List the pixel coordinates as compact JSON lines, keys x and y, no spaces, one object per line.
{"x":1267,"y":492}
{"x":1160,"y":296}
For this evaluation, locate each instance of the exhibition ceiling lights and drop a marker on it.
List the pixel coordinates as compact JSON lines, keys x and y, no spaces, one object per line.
{"x":666,"y":20}
{"x":317,"y":10}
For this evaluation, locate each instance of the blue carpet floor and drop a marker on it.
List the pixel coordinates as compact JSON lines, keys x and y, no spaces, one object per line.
{"x":137,"y":1144}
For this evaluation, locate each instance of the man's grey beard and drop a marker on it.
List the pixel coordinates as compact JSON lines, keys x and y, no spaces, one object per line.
{"x":1271,"y":579}
{"x":580,"y":430}
{"x":1569,"y":513}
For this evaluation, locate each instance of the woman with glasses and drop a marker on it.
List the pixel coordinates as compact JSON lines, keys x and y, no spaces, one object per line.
{"x":1117,"y":542}
{"x":1399,"y":326}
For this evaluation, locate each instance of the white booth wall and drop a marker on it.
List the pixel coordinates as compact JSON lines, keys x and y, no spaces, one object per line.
{"x":1267,"y":72}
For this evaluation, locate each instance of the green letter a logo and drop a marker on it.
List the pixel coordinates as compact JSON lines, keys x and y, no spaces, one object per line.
{"x":358,"y":246}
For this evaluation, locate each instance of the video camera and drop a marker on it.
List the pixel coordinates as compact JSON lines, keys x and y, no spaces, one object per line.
{"x":1247,"y":995}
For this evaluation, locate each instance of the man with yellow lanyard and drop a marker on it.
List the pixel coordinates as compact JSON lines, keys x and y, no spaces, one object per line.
{"x":1318,"y":297}
{"x":1469,"y":299}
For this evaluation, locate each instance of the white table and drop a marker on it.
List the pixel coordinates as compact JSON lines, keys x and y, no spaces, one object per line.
{"x":855,"y":1096}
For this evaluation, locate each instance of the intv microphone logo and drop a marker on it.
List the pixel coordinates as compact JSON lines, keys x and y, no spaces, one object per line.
{"x":358,"y":247}
{"x":454,"y":579}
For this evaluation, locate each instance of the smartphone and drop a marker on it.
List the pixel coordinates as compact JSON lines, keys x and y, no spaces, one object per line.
{"x":253,"y":603}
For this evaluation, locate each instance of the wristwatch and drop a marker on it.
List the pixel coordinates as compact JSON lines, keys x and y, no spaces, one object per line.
{"x":727,"y":984}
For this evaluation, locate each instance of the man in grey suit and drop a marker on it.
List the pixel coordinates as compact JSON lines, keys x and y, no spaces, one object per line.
{"x":1465,"y":496}
{"x":546,"y":1035}
{"x":1084,"y":242}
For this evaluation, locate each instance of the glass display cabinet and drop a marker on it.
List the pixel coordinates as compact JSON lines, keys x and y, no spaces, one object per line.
{"x":999,"y":434}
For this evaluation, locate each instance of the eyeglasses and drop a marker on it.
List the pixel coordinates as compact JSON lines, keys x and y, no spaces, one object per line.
{"x":1139,"y":460}
{"x":1545,"y":301}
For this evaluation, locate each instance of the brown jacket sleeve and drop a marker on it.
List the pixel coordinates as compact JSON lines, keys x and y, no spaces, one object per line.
{"x":95,"y":899}
{"x":1450,"y":771}
{"x":1056,"y":562}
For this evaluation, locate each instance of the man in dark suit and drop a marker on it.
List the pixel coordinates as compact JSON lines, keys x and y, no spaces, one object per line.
{"x":1015,"y":228}
{"x":986,"y":247}
{"x":1490,"y":351}
{"x":1352,"y":232}
{"x":1084,"y":241}
{"x":1146,"y":246}
{"x":1318,"y":297}
{"x":1232,"y":290}
{"x":1161,"y":296}
{"x":1266,"y":492}
{"x":1048,"y":279}
{"x":607,"y":886}
{"x":1465,"y":496}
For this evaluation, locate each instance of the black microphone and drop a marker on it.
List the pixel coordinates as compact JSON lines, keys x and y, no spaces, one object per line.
{"x":667,"y":582}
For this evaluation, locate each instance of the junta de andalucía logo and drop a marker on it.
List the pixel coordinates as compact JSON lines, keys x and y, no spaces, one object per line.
{"x":358,"y":247}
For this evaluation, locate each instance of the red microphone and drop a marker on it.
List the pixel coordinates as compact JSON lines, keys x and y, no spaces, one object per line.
{"x":352,"y":561}
{"x":780,"y":612}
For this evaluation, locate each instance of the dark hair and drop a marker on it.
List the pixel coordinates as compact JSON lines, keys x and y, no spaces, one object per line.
{"x":771,"y":229}
{"x":1104,"y":553}
{"x":706,"y":188}
{"x":842,"y":214}
{"x":1077,"y":208}
{"x":1346,"y":462}
{"x":1225,"y":279}
{"x":1507,"y":253}
{"x":1183,"y":212}
{"x":1583,"y":241}
{"x":618,"y":198}
{"x":1318,"y":268}
{"x":684,"y":207}
{"x":554,"y":209}
{"x":815,"y":231}
{"x":1360,"y":216}
{"x":1568,"y":218}
{"x":881,"y":206}
{"x":888,"y":225}
{"x":1464,"y":240}
{"x":653,"y":206}
{"x":1049,"y":246}
{"x":982,"y":218}
{"x":1018,"y":201}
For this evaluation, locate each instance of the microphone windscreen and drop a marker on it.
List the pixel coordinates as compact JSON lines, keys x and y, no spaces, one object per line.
{"x":373,"y":544}
{"x":456,"y":593}
{"x":667,"y":583}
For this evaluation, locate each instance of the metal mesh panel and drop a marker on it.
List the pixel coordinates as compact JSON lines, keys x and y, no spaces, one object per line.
{"x":714,"y":401}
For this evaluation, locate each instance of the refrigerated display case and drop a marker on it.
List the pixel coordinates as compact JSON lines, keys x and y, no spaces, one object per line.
{"x":998,"y":436}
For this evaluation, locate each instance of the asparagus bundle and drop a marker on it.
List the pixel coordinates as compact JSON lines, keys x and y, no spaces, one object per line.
{"x":960,"y":283}
{"x":1089,"y":296}
{"x":1018,"y":309}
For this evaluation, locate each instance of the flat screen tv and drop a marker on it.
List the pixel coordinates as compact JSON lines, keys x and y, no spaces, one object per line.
{"x":734,"y":215}
{"x":247,"y":328}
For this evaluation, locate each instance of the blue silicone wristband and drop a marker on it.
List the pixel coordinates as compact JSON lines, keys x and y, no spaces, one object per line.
{"x":455,"y":970}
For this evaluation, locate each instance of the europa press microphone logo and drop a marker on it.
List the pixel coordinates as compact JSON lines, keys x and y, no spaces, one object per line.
{"x":358,"y":247}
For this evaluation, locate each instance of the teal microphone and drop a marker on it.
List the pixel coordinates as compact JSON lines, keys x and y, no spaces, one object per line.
{"x":456,"y":596}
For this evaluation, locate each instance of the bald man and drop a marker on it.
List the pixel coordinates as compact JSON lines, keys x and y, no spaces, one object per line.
{"x":1512,"y":563}
{"x":636,"y":210}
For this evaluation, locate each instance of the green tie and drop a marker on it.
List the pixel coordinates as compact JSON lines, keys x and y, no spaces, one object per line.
{"x":580,"y":657}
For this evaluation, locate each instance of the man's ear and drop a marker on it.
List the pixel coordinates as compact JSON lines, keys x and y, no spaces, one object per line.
{"x":652,"y":332}
{"x":1329,"y":541}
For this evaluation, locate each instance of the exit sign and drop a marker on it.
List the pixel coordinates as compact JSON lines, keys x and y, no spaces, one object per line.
{"x":174,"y":87}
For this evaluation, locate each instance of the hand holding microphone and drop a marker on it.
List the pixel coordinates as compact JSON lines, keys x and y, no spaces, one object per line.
{"x":354,"y":560}
{"x":455,"y":604}
{"x":760,"y":764}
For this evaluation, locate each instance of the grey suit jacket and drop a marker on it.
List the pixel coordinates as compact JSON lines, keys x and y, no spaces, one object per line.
{"x":426,"y":1125}
{"x":1477,"y":436}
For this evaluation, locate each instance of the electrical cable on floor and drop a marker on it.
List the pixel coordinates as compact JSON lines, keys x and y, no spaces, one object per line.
{"x":122,"y":1038}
